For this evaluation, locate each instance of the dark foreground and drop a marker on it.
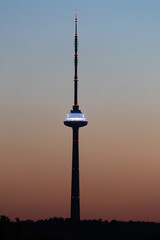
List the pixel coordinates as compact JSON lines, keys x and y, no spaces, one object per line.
{"x":59,"y":229}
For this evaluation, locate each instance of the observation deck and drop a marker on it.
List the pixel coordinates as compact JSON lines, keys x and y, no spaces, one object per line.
{"x":75,"y":119}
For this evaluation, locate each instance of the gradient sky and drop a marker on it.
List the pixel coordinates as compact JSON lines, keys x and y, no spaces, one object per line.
{"x":119,"y":69}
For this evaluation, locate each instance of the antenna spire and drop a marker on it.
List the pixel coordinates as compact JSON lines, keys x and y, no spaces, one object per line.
{"x":76,"y":13}
{"x":76,"y":106}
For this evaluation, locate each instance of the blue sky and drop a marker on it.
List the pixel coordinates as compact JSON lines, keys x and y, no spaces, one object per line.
{"x":117,"y":35}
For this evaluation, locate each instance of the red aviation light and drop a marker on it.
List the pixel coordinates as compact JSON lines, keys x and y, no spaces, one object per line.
{"x":76,"y":105}
{"x":76,"y":79}
{"x":75,"y":54}
{"x":76,"y":35}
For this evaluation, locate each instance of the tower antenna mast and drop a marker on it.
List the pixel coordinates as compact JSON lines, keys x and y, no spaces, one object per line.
{"x":76,"y":63}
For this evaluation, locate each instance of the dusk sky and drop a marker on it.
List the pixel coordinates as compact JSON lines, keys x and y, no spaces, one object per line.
{"x":119,"y":93}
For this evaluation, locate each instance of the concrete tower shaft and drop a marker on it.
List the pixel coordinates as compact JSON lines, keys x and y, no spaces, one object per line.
{"x":75,"y":195}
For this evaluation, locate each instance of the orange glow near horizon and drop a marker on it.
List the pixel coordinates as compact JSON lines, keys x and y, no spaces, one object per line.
{"x":119,"y":168}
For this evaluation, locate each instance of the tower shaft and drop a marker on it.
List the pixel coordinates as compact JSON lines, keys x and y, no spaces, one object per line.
{"x":75,"y":199}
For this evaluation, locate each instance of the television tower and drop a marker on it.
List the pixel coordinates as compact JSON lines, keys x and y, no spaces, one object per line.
{"x":75,"y":119}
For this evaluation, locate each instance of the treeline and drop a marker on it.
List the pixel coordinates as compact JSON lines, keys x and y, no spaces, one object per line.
{"x":60,"y":229}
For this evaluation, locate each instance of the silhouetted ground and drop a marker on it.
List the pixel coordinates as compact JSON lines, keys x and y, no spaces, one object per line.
{"x":59,"y":229}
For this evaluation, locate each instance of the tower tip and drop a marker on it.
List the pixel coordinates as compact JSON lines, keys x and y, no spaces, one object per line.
{"x":76,"y":14}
